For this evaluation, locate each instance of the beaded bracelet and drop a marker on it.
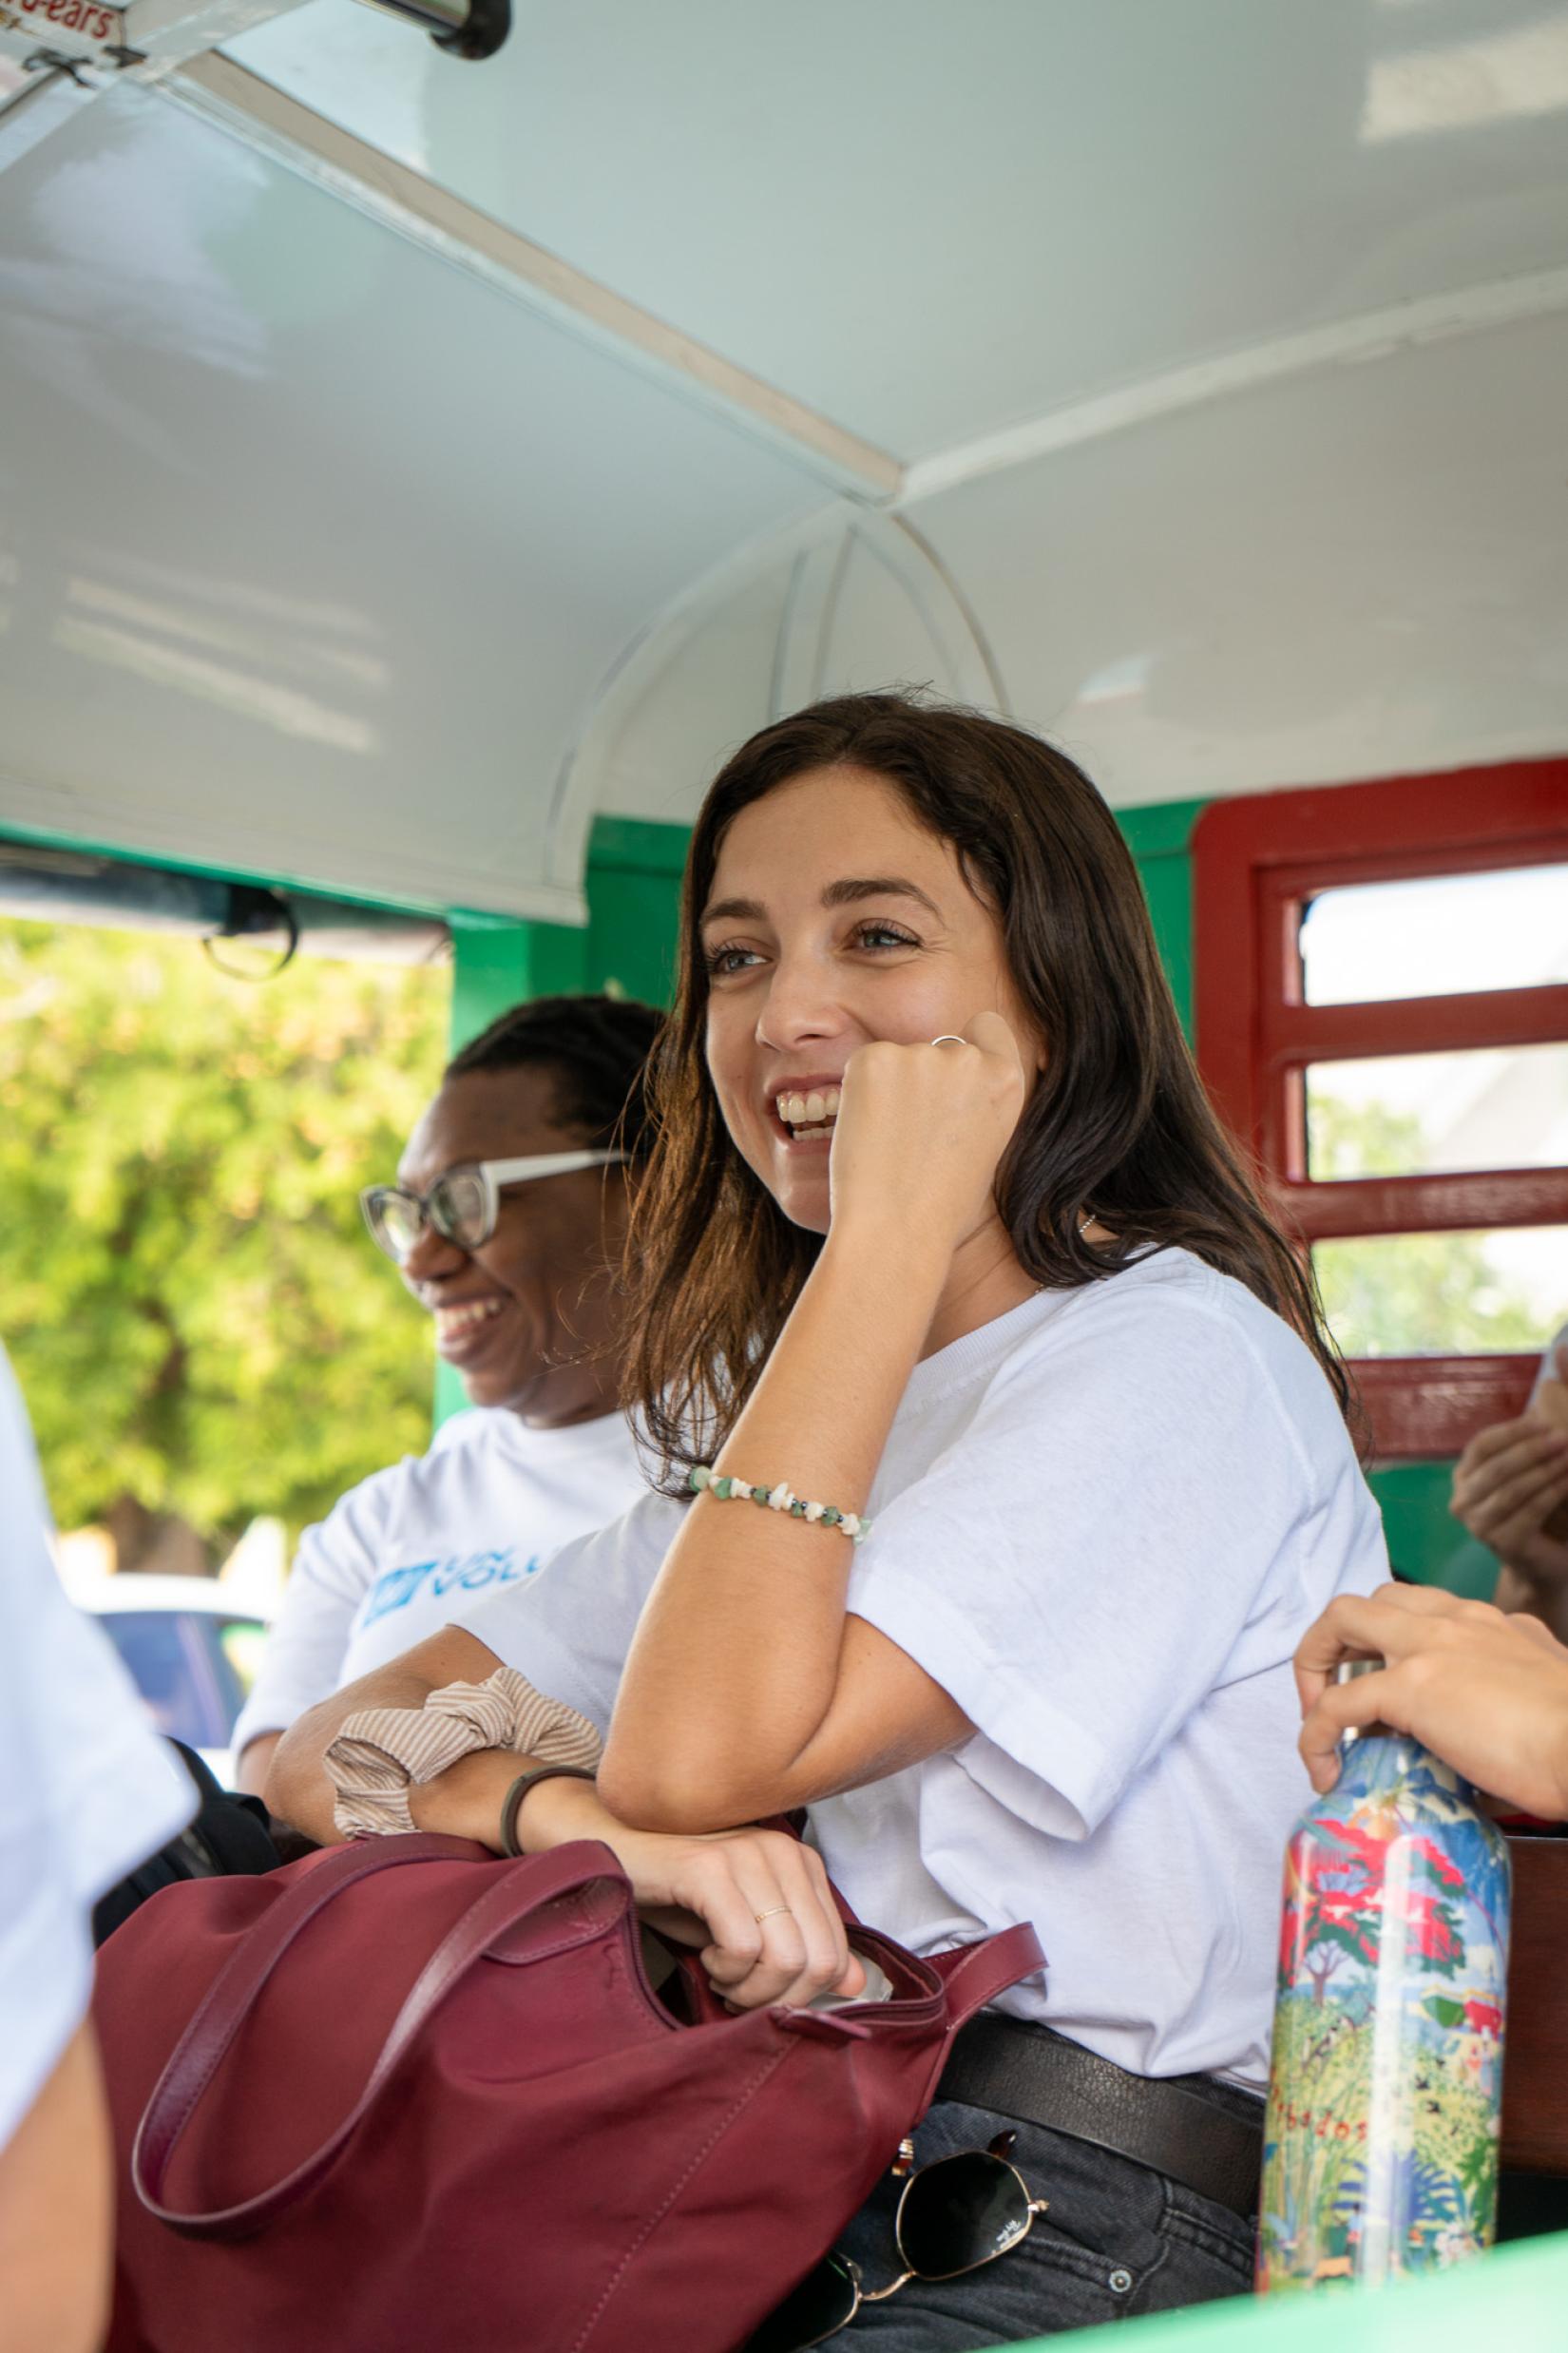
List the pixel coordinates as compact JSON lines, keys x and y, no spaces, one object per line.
{"x":782,"y":1498}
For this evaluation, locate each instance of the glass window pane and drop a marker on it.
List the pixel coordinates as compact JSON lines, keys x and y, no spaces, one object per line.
{"x":1445,"y":1295}
{"x":1440,"y":935}
{"x":243,"y":1639}
{"x":167,"y":1665}
{"x":1404,"y":1115}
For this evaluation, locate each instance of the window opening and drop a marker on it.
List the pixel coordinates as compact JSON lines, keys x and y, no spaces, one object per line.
{"x":1381,"y":1014}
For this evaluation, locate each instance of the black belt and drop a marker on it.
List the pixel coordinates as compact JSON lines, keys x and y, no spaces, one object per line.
{"x":1193,"y":2135}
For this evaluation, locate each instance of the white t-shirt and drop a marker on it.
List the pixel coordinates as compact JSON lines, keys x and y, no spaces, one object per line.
{"x":394,"y":1561}
{"x":88,"y":1790}
{"x":1102,"y":1522}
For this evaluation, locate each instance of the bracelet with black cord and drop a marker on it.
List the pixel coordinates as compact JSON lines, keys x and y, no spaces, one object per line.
{"x":511,"y":1802}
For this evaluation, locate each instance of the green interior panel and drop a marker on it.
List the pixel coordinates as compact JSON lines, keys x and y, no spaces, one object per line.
{"x":1516,"y":2298}
{"x":1425,"y":1541}
{"x":497,"y":963}
{"x":1160,"y":840}
{"x":634,"y":906}
{"x":633,"y":890}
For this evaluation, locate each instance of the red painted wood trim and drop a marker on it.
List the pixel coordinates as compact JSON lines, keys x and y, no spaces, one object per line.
{"x":1324,"y":1033}
{"x":1446,"y":1204}
{"x":1421,"y":859}
{"x":1257,"y":855}
{"x":1427,"y":1408}
{"x":1255,"y":860}
{"x":1434,"y":816}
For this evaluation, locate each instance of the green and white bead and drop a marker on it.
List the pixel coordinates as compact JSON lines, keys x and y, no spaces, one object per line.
{"x":702,"y":1480}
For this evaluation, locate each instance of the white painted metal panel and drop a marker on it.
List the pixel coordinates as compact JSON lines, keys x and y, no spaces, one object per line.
{"x":1358,"y":571}
{"x":1350,"y":573}
{"x":313,"y":551}
{"x":931,"y":221}
{"x":844,"y":603}
{"x":1221,"y":351}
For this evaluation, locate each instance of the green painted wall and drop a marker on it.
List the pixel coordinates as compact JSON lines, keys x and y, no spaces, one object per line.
{"x":1425,"y":1541}
{"x":497,"y":963}
{"x":634,"y":905}
{"x":627,"y":947}
{"x":1160,"y":840}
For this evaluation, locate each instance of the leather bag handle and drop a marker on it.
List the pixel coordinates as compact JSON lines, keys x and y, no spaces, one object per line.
{"x":522,"y":1889}
{"x":975,"y":1974}
{"x":969,"y":1975}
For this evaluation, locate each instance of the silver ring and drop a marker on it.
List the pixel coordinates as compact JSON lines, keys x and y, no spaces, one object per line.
{"x":949,"y":1041}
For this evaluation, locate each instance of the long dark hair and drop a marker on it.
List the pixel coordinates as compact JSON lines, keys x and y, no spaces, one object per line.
{"x":1118,"y":1123}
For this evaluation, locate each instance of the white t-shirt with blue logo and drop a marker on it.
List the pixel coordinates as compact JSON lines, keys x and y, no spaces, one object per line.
{"x":410,"y":1547}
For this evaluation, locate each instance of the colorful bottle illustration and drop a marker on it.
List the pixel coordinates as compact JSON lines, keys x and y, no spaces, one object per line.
{"x":1381,"y":2140}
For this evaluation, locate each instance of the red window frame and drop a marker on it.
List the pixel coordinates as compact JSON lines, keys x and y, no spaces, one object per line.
{"x":1256,"y":861}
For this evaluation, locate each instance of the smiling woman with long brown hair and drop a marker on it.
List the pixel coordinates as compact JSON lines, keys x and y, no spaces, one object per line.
{"x":944,"y":1258}
{"x":1115,"y":1116}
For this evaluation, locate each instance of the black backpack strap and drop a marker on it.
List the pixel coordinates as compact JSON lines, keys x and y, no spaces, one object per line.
{"x":228,"y":1836}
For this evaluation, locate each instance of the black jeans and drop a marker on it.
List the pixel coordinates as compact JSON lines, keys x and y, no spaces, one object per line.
{"x":1139,"y":2242}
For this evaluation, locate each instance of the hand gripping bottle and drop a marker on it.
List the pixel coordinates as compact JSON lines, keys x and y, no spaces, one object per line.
{"x":1380,"y":2147}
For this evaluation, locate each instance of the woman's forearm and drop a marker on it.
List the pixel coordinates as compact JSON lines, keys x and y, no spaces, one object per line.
{"x":299,"y":1787}
{"x":737,"y":1655}
{"x":254,"y":1763}
{"x":57,"y":2211}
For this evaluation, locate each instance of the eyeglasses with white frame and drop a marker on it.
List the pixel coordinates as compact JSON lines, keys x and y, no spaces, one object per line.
{"x":463,"y":1204}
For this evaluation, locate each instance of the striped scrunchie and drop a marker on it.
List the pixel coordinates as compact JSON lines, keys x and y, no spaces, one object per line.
{"x":381,"y":1752}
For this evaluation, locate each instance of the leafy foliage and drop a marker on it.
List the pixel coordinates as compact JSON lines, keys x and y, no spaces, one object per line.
{"x":1409,"y":1294}
{"x":186,"y":1293}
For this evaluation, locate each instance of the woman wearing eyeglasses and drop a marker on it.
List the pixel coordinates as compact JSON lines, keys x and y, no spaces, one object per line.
{"x":1004,"y":1462}
{"x":508,"y":1213}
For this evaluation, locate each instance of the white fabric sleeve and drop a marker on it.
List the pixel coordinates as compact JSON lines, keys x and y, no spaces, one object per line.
{"x":1078,"y":1569}
{"x":333,"y":1571}
{"x":568,"y":1629}
{"x":88,"y":1790}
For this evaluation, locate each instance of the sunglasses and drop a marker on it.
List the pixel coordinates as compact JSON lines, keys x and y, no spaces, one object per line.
{"x":954,"y":2216}
{"x":462,"y":1205}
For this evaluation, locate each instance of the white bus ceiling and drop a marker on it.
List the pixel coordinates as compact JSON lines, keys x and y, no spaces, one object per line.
{"x":403,"y":459}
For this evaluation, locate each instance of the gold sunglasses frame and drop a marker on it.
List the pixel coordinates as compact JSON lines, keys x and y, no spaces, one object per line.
{"x":1032,"y":2207}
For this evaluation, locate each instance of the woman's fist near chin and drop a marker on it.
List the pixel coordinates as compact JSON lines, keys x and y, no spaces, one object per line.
{"x":921,"y":1131}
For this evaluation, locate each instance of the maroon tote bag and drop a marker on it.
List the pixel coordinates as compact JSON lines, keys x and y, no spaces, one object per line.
{"x":403,"y":2096}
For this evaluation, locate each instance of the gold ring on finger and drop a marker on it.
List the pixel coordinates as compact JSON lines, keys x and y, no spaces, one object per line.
{"x":760,"y":1916}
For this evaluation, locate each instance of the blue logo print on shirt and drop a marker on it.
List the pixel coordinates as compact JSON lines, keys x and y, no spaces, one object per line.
{"x":469,"y":1573}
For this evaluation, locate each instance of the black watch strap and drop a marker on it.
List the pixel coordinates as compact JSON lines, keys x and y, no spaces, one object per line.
{"x":511,"y":1802}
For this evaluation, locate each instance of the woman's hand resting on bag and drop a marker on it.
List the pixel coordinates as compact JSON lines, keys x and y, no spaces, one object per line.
{"x":755,"y":1904}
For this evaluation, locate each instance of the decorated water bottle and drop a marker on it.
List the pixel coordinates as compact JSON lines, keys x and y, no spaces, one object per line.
{"x":1380,"y":2149}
